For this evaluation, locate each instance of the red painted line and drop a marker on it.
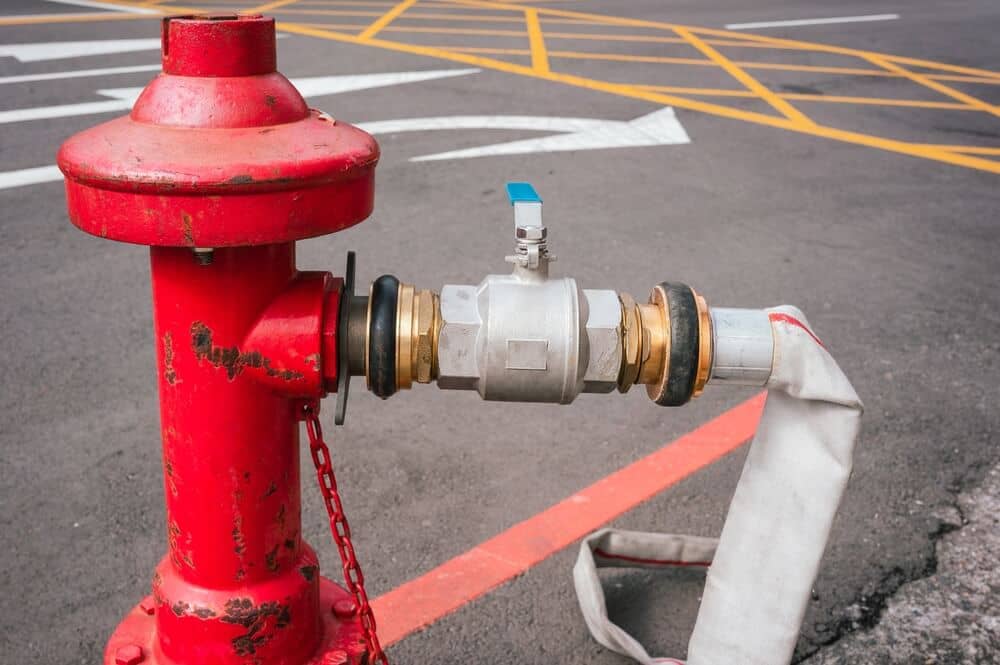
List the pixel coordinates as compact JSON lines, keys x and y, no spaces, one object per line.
{"x":421,"y":601}
{"x":655,"y":562}
{"x":791,"y":320}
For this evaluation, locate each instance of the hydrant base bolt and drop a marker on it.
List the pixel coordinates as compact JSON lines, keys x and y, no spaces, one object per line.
{"x":148,"y":606}
{"x":344,"y":609}
{"x":129,"y":655}
{"x":204,"y":255}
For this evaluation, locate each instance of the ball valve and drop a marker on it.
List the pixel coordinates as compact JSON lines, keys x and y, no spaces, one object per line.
{"x":220,"y":168}
{"x":532,"y":337}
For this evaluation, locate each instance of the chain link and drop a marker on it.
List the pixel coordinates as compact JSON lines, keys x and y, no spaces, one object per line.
{"x":354,"y":579}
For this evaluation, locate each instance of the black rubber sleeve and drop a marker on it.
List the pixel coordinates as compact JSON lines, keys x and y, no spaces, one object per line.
{"x":683,"y":312}
{"x":382,"y":336}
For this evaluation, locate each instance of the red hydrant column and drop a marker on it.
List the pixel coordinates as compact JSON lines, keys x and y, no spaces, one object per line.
{"x":220,"y":168}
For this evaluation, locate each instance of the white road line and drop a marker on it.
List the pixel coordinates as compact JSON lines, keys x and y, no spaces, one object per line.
{"x":33,"y":176}
{"x":310,"y":86}
{"x":80,"y":73}
{"x":95,"y":4}
{"x":58,"y":50}
{"x":812,"y":21}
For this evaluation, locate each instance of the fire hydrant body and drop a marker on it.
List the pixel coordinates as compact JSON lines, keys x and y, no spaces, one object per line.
{"x":220,"y":168}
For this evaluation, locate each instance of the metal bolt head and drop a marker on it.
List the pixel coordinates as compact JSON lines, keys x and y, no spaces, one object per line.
{"x":129,"y":655}
{"x":148,"y":606}
{"x":530,"y":233}
{"x":335,"y":658}
{"x":344,"y":609}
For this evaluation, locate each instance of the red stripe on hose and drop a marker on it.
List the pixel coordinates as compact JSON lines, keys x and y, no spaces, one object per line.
{"x":439,"y":592}
{"x":657,"y":562}
{"x":791,"y":320}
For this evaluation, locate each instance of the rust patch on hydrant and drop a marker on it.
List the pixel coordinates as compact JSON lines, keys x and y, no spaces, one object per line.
{"x":168,"y":359}
{"x":231,"y":358}
{"x":260,"y":621}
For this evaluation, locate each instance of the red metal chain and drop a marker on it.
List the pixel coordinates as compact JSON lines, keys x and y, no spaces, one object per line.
{"x":353,"y":577}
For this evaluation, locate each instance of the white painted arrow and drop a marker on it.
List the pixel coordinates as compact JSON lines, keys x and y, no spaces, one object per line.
{"x":660,"y":127}
{"x":122,"y":99}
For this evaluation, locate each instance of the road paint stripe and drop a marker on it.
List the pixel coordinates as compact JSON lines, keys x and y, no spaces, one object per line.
{"x":260,"y":9}
{"x":969,"y":149}
{"x":80,"y":73}
{"x":41,"y":51}
{"x":934,"y":85}
{"x":94,"y":4}
{"x":31,"y":176}
{"x":64,"y":110}
{"x":891,"y":145}
{"x":750,"y":82}
{"x":439,"y":592}
{"x":52,"y":19}
{"x":812,"y":21}
{"x":386,"y":19}
{"x":539,"y":56}
{"x":310,"y":86}
{"x":728,"y":34}
{"x":830,"y":99}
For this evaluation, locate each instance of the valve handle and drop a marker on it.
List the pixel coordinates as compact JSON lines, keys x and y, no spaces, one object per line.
{"x":527,"y":206}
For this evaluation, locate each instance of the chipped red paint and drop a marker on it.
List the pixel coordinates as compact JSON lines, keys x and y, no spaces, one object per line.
{"x":221,"y":152}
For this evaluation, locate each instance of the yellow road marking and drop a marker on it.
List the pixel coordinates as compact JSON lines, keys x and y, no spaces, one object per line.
{"x":418,"y":30}
{"x":584,"y":55}
{"x":74,"y":18}
{"x":750,"y":82}
{"x":539,"y":57}
{"x":934,"y":85}
{"x":827,"y":48}
{"x":856,"y":138}
{"x":386,"y":19}
{"x":833,"y":99}
{"x":969,"y":149}
{"x":260,"y":9}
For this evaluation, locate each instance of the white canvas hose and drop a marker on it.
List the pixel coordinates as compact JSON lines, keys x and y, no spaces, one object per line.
{"x":762,"y":568}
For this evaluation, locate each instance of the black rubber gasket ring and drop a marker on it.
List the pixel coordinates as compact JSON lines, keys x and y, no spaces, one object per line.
{"x":382,"y":336}
{"x":682,"y":310}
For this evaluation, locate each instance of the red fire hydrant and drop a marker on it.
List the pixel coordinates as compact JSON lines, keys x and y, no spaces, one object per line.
{"x":220,"y":168}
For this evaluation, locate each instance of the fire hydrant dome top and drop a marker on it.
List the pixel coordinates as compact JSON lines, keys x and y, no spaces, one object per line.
{"x":219,"y":150}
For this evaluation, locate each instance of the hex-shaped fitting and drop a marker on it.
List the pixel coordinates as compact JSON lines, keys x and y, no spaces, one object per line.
{"x":604,"y":338}
{"x":458,"y":367}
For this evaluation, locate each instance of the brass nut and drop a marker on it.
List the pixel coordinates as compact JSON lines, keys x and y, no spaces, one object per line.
{"x":704,"y":344}
{"x":418,"y":321}
{"x":631,"y":343}
{"x":428,"y":313}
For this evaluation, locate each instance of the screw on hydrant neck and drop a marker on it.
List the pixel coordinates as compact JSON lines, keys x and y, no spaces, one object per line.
{"x":219,"y":45}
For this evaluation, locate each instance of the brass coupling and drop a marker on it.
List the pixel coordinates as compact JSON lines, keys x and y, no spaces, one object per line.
{"x":666,"y":344}
{"x":418,"y":322}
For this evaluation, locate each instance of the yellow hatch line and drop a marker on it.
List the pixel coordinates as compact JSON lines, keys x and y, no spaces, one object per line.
{"x":386,"y":19}
{"x":728,"y":34}
{"x":750,"y":82}
{"x":891,"y":145}
{"x":539,"y":56}
{"x":270,"y":6}
{"x":934,"y":85}
{"x":792,"y":121}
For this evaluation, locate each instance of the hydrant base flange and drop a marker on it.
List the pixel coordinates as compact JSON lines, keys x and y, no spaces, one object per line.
{"x":342,"y":642}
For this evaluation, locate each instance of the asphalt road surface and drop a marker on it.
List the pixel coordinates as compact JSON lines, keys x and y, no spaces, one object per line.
{"x":860,"y":187}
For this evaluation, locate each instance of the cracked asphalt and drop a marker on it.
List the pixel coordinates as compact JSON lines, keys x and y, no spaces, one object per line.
{"x":892,"y":257}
